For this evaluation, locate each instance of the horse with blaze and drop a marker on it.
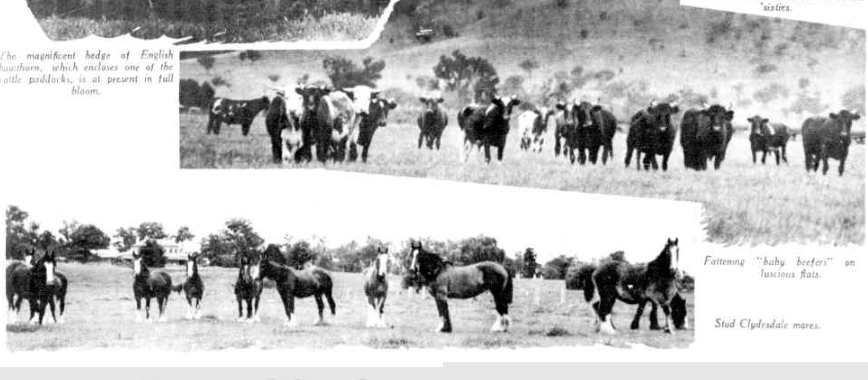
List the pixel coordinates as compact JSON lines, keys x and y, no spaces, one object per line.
{"x":377,"y":288}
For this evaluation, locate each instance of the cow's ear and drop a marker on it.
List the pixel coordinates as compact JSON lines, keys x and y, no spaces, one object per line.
{"x":751,"y":119}
{"x":375,"y":94}
{"x":440,"y":100}
{"x":349,"y":93}
{"x":421,"y":99}
{"x":833,"y":116}
{"x":674,"y":109}
{"x":560,"y":106}
{"x":765,"y":121}
{"x":299,"y":90}
{"x":856,"y":116}
{"x":392,"y":103}
{"x":729,"y":115}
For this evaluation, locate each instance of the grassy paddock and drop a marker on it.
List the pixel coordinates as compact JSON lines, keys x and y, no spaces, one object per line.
{"x":101,"y":308}
{"x":330,"y":27}
{"x":744,"y":202}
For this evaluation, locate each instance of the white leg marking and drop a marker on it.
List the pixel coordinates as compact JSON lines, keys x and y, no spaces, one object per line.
{"x":607,"y":326}
{"x":139,"y":317}
{"x":497,"y":326}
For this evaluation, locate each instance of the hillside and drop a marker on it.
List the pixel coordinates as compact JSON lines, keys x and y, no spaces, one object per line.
{"x":781,"y":69}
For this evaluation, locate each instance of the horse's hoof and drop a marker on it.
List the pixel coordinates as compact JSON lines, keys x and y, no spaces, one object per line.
{"x":249,"y":321}
{"x":61,"y":321}
{"x":240,"y":319}
{"x":288,"y":324}
{"x":256,"y":319}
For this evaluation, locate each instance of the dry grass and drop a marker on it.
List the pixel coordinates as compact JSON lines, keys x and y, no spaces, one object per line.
{"x":100,"y":315}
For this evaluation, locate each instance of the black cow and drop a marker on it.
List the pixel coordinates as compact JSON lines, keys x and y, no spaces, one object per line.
{"x":765,"y":138}
{"x":652,"y":133}
{"x":309,"y":122}
{"x":234,"y":112}
{"x":432,"y":122}
{"x":705,"y":135}
{"x":825,"y":138}
{"x":564,"y":127}
{"x":378,"y":111}
{"x":595,"y":129}
{"x":487,"y":126}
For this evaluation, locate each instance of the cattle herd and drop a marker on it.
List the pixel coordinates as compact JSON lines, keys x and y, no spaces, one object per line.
{"x":338,"y":123}
{"x":37,"y":280}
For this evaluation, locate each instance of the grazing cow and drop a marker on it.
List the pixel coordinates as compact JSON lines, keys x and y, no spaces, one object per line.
{"x":234,"y":112}
{"x":652,"y":133}
{"x":765,"y":138}
{"x":564,"y":127}
{"x":374,"y":117}
{"x":825,"y":138}
{"x":487,"y":126}
{"x":705,"y":135}
{"x":283,"y":123}
{"x":532,"y":125}
{"x":432,"y":122}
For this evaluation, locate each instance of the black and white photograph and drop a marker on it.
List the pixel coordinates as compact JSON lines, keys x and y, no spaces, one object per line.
{"x":757,"y":118}
{"x":194,"y":276}
{"x":210,"y":21}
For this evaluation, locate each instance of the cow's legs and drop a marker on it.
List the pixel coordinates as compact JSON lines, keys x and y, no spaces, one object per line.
{"x":784,"y":152}
{"x":825,"y":165}
{"x":765,"y":152}
{"x":841,"y":166}
{"x":365,"y":153}
{"x":245,"y":128}
{"x":354,"y":152}
{"x":487,"y":153}
{"x":753,"y":155}
{"x":628,"y":157}
{"x":421,"y":136}
{"x":777,"y":157}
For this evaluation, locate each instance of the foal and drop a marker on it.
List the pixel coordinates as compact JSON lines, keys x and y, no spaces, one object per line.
{"x":193,"y":287}
{"x":149,"y":285}
{"x":248,"y":289}
{"x":377,"y":288}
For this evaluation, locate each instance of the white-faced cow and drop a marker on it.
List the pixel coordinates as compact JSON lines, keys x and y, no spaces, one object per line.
{"x":705,"y":135}
{"x":768,"y":138}
{"x":234,"y":112}
{"x":652,"y":134}
{"x":565,"y":126}
{"x":432,"y":122}
{"x":533,"y":125}
{"x":283,"y":123}
{"x":487,"y":126}
{"x":825,"y":138}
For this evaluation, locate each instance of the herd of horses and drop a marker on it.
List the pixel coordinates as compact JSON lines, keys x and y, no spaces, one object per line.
{"x":336,"y":121}
{"x":38,"y":281}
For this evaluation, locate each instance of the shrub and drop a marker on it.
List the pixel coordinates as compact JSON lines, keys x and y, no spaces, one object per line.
{"x":764,"y":68}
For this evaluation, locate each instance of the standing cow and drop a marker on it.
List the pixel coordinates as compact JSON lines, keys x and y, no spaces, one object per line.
{"x":532,"y":126}
{"x":595,"y":129}
{"x":765,"y":138}
{"x":705,"y":135}
{"x":431,"y":122}
{"x":283,"y":123}
{"x":825,"y":138}
{"x":487,"y":126}
{"x":375,"y":117}
{"x":234,"y":112}
{"x":564,"y":127}
{"x":652,"y":134}
{"x":310,"y":121}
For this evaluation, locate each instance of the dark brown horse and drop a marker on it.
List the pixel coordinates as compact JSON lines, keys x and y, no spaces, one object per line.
{"x":653,"y":282}
{"x":147,"y":285}
{"x":291,"y":283}
{"x":193,"y":287}
{"x":377,"y":288}
{"x":47,"y":288}
{"x":18,"y":287}
{"x":445,"y":280}
{"x":582,"y":280}
{"x":248,"y":289}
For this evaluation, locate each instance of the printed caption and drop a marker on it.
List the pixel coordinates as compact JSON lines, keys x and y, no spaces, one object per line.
{"x":87,"y":72}
{"x":784,"y":6}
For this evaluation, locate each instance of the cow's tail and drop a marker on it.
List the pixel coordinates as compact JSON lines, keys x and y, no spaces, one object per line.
{"x":178,"y":288}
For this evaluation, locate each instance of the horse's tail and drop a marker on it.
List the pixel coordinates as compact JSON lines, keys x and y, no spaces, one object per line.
{"x":178,"y":288}
{"x":507,"y":290}
{"x":586,"y":280}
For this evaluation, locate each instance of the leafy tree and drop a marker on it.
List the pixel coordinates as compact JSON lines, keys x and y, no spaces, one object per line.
{"x":125,"y":238}
{"x":556,"y":268}
{"x":300,"y":253}
{"x":46,"y":240}
{"x":206,"y":61}
{"x":529,"y":65}
{"x":81,"y":240}
{"x":343,"y":72}
{"x":238,"y":237}
{"x":465,"y":74}
{"x":152,"y":254}
{"x":151,"y":230}
{"x":19,"y":236}
{"x":529,"y":263}
{"x":183,"y":235}
{"x":217,"y":251}
{"x":478,"y":249}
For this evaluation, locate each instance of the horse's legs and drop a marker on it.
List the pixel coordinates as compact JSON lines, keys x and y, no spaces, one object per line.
{"x":421,"y":136}
{"x":62,"y":300}
{"x":189,"y":308}
{"x":319,"y":308}
{"x":655,"y":325}
{"x":330,"y":300}
{"x":382,"y":318}
{"x":198,"y":313}
{"x":34,"y":309}
{"x":162,"y":301}
{"x":52,"y":305}
{"x":604,"y":313}
{"x":240,"y":302}
{"x":639,"y":310}
{"x":670,"y":325}
{"x":501,"y":304}
{"x":443,"y":310}
{"x":369,"y":322}
{"x":249,"y":301}
{"x":147,"y":309}
{"x":256,"y":308}
{"x":138,"y":309}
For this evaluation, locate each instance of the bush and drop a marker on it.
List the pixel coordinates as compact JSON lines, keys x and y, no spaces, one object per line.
{"x":764,"y":68}
{"x":153,"y":254}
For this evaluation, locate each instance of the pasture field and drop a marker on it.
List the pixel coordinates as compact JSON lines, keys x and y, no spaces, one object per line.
{"x":744,"y":202}
{"x":100,"y":314}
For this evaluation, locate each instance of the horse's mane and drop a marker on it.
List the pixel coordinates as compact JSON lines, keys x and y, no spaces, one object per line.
{"x":662,"y":262}
{"x":430,"y":264}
